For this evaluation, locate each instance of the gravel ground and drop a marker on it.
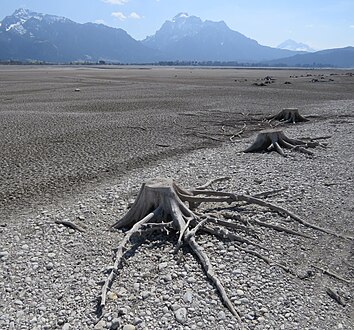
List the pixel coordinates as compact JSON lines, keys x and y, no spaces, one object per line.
{"x":51,"y":275}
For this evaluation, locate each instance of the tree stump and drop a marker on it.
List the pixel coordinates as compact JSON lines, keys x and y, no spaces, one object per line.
{"x":288,"y":115}
{"x":272,"y":139}
{"x":163,"y":205}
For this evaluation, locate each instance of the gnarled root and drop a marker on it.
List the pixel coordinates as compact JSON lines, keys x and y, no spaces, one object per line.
{"x":162,"y":204}
{"x":273,"y":139}
{"x":163,"y":201}
{"x":288,"y":115}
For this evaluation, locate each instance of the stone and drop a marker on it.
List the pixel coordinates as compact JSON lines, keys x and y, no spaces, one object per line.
{"x":221,"y":315}
{"x":115,"y":324}
{"x":162,"y":266}
{"x":66,"y":326}
{"x":129,"y":327}
{"x":100,"y":325}
{"x":181,"y":315}
{"x":145,"y":294}
{"x":188,"y":296}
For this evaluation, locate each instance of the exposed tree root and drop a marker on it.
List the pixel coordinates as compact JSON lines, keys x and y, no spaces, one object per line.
{"x":162,"y":205}
{"x":288,"y":115}
{"x":333,"y":274}
{"x":273,"y":139}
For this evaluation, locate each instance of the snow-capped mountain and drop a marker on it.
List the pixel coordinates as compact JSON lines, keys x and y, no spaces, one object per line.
{"x":189,"y":38}
{"x":21,"y":18}
{"x":295,"y":46}
{"x":27,"y":35}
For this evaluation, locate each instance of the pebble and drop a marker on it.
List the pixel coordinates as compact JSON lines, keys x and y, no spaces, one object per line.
{"x":188,"y":296}
{"x":115,"y":324}
{"x":181,"y":315}
{"x":100,"y":325}
{"x":221,"y":315}
{"x":162,"y":266}
{"x":129,"y":327}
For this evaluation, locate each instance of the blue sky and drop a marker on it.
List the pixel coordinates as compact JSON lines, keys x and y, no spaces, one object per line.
{"x":318,"y":23}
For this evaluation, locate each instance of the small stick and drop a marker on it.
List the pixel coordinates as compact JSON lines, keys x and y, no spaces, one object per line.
{"x":210,"y":182}
{"x":70,"y":225}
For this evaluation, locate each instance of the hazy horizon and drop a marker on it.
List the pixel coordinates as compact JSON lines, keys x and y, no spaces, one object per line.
{"x":321,"y":24}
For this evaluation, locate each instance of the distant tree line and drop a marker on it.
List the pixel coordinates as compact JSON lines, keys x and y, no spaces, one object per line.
{"x":171,"y":63}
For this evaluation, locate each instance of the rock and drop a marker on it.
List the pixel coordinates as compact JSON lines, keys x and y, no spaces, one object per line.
{"x":49,"y":266}
{"x":100,"y":325}
{"x":162,"y":266}
{"x":221,"y":315}
{"x":66,"y":326}
{"x":240,"y":292}
{"x":145,"y":294}
{"x":181,"y":315}
{"x":129,"y":327}
{"x":115,"y":324}
{"x":188,"y":296}
{"x":4,"y":255}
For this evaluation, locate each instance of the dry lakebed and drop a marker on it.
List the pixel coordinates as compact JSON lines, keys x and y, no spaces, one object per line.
{"x":77,"y":143}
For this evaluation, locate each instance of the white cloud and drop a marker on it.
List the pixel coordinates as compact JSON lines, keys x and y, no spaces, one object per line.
{"x":100,"y":21}
{"x":134,"y":15}
{"x":119,"y":15}
{"x":115,"y":2}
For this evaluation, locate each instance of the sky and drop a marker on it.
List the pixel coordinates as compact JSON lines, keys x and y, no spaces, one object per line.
{"x":321,"y":24}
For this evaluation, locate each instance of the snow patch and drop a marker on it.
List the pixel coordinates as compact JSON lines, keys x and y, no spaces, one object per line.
{"x":17,"y":27}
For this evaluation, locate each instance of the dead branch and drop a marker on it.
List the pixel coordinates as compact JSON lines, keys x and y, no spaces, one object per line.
{"x":70,"y":224}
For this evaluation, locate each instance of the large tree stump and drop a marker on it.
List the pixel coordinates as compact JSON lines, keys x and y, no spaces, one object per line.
{"x":162,"y":204}
{"x":273,"y":139}
{"x":288,"y":115}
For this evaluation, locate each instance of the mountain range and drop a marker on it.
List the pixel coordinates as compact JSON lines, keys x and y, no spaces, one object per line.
{"x":31,"y":36}
{"x":189,"y":38}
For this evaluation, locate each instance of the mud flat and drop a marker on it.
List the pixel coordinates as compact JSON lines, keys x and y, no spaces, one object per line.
{"x":76,"y":143}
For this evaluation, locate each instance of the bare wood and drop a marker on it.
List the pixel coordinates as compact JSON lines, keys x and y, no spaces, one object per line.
{"x":233,"y":225}
{"x":288,"y":115}
{"x":162,"y":204}
{"x":273,"y":139}
{"x":221,"y":234}
{"x":333,"y":274}
{"x":210,"y":182}
{"x":279,"y":228}
{"x":209,"y":270}
{"x":70,"y":224}
{"x":120,"y":252}
{"x":281,"y":210}
{"x":229,"y":235}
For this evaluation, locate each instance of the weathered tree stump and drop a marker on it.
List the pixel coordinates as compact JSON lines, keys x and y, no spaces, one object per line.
{"x":273,"y":139}
{"x":163,"y":205}
{"x":288,"y":115}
